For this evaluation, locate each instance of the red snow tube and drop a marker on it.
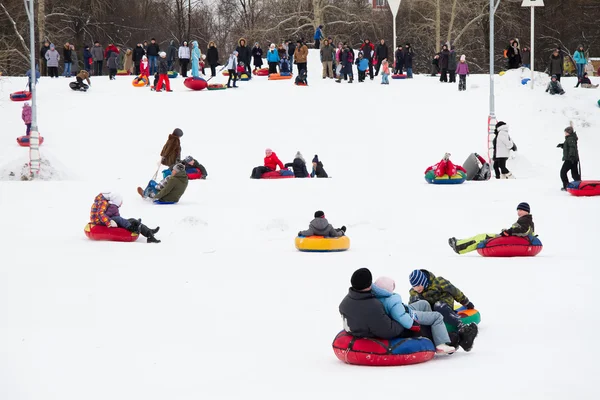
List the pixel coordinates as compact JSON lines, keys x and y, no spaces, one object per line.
{"x":193,"y":173}
{"x":276,"y":175}
{"x":585,"y":188}
{"x":510,"y":246}
{"x":101,"y":232}
{"x":23,"y":141}
{"x":195,"y":83}
{"x":20,"y":96}
{"x":399,"y":76}
{"x":381,"y":352}
{"x":261,"y":72}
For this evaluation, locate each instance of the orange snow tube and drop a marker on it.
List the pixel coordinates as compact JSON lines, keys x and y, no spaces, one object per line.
{"x":140,"y":81}
{"x":277,"y":77}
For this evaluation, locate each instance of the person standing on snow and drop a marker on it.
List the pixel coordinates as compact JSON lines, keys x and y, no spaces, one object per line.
{"x":556,"y":64}
{"x":195,"y":59}
{"x":272,"y":59}
{"x":171,"y":55}
{"x":291,"y":51}
{"x":327,"y":54}
{"x":301,"y":55}
{"x":232,"y":69}
{"x":570,"y":157}
{"x":580,"y":61}
{"x":462,"y":70}
{"x":43,"y":51}
{"x":368,"y":49}
{"x":244,"y":55}
{"x":444,"y":60}
{"x":98,"y":57}
{"x":452,"y":65}
{"x":184,"y":58}
{"x":212,"y":58}
{"x":26,"y":116}
{"x":163,"y":71}
{"x":257,"y":54}
{"x":381,"y":53}
{"x":138,"y":54}
{"x":152,"y":52}
{"x":502,"y":147}
{"x":52,"y":59}
{"x":318,"y":37}
{"x":67,"y":60}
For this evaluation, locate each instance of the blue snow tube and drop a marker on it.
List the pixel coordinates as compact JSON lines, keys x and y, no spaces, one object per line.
{"x":525,"y":80}
{"x":164,"y":202}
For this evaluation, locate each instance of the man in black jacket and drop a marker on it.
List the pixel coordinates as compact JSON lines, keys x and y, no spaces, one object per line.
{"x":43,"y":51}
{"x":138,"y":54}
{"x":291,"y":50}
{"x":364,"y":315}
{"x":152,"y":53}
{"x":381,"y":52}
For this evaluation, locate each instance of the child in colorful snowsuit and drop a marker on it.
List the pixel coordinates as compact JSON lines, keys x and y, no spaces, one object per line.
{"x":385,"y":72}
{"x":445,"y":167}
{"x":26,"y":116}
{"x":163,"y":70}
{"x":321,"y":227}
{"x":462,"y":70}
{"x":144,"y":72}
{"x":362,"y":64}
{"x":413,"y":315}
{"x":105,"y":211}
{"x":441,"y":295}
{"x":524,"y":227}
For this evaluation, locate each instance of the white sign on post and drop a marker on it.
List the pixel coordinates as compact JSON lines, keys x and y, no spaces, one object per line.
{"x":394,"y":7}
{"x":533,"y":3}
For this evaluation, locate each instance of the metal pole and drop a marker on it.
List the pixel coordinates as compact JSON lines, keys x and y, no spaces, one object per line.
{"x":394,"y":48}
{"x":492,"y":116}
{"x":34,"y":137}
{"x":532,"y":46}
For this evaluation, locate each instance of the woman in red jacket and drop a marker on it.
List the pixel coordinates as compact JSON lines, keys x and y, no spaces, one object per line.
{"x":271,"y":164}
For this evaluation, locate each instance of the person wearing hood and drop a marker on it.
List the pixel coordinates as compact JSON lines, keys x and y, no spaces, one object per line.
{"x":318,"y":37}
{"x":580,"y":61}
{"x":138,"y":55}
{"x":299,"y":166}
{"x":570,"y":157}
{"x":231,"y":66}
{"x":556,"y":64}
{"x":43,"y":50}
{"x":190,"y":163}
{"x":128,"y":61}
{"x":257,"y":54}
{"x":113,"y":65}
{"x":272,"y":59}
{"x":271,"y":162}
{"x":317,"y":166}
{"x":52,"y":59}
{"x":171,"y":55}
{"x":171,"y":151}
{"x":321,"y":227}
{"x":362,"y":65}
{"x":301,"y":56}
{"x":462,"y":70}
{"x":554,"y":87}
{"x":98,"y":58}
{"x":244,"y":55}
{"x":524,"y":227}
{"x":452,"y":64}
{"x":26,"y":117}
{"x":212,"y":58}
{"x":105,"y":212}
{"x":152,"y":52}
{"x":67,"y":60}
{"x":502,"y":146}
{"x":184,"y":58}
{"x":144,"y":69}
{"x":196,"y":54}
{"x":444,"y":61}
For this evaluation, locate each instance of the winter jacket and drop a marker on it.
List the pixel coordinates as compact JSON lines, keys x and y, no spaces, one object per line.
{"x":273,"y":161}
{"x":291,"y":49}
{"x":196,"y":164}
{"x":392,"y":303}
{"x":243,"y":52}
{"x":301,"y":54}
{"x":171,"y":51}
{"x":362,"y":63}
{"x":444,"y":59}
{"x":462,"y":68}
{"x":408,"y":58}
{"x":98,"y":211}
{"x":367,"y":49}
{"x":112,"y":211}
{"x":257,"y":54}
{"x":212,"y":55}
{"x":109,"y":50}
{"x":554,"y":87}
{"x":319,"y":171}
{"x":43,"y":51}
{"x":67,"y":54}
{"x":75,"y":62}
{"x":321,"y":227}
{"x":232,"y":62}
{"x":87,"y":57}
{"x":299,"y":167}
{"x":113,"y":62}
{"x":184,"y":52}
{"x":145,"y":68}
{"x":579,"y":57}
{"x":26,"y":114}
{"x":438,"y":289}
{"x":138,"y":54}
{"x":174,"y":189}
{"x":318,"y":34}
{"x":97,"y":53}
{"x":523,"y":227}
{"x":365,"y":316}
{"x":171,"y":151}
{"x":526,"y":57}
{"x":327,"y":53}
{"x":163,"y":67}
{"x":38,"y":75}
{"x":84,"y":75}
{"x":381,"y":52}
{"x":399,"y":58}
{"x":152,"y":50}
{"x":385,"y":69}
{"x":570,"y":151}
{"x":502,"y":143}
{"x":272,"y":55}
{"x":282,"y":52}
{"x":556,"y":65}
{"x":52,"y":58}
{"x":452,"y":62}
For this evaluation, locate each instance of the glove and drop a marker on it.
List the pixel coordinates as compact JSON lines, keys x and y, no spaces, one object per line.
{"x":300,"y":233}
{"x":343,"y":229}
{"x":469,"y":306}
{"x":416,"y":327}
{"x":113,"y":224}
{"x":505,"y":233}
{"x":560,"y":145}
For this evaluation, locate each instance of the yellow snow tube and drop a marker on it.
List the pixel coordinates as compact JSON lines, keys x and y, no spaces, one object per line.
{"x":322,"y":244}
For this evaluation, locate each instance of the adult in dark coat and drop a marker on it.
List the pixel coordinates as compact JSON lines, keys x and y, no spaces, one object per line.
{"x":408,"y":60}
{"x":514,"y":55}
{"x":171,"y":55}
{"x":444,"y":60}
{"x":452,"y":65}
{"x":152,"y":53}
{"x":382,"y":53}
{"x":399,"y":60}
{"x":556,"y":64}
{"x":570,"y":157}
{"x":291,"y":50}
{"x":299,"y":166}
{"x":244,"y":55}
{"x":257,"y":54}
{"x":367,"y":48}
{"x":138,"y":53}
{"x":212,"y":57}
{"x":43,"y":66}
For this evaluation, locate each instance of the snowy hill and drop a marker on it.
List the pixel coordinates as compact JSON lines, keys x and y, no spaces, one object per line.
{"x":225,"y":307}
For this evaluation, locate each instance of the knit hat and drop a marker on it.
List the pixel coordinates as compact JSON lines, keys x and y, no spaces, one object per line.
{"x":524,"y":207}
{"x":188,"y":159}
{"x":177,"y":132}
{"x":268,"y":150}
{"x":52,"y":46}
{"x":418,"y":278}
{"x":463,"y":58}
{"x":554,"y":77}
{"x":361,"y":279}
{"x":386,"y":283}
{"x":315,"y":158}
{"x":178,"y":167}
{"x":569,"y":130}
{"x":319,"y":214}
{"x":113,"y":198}
{"x":162,"y":54}
{"x":299,"y":155}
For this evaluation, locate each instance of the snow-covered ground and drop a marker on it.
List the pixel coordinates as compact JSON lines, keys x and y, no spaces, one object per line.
{"x":225,"y":307}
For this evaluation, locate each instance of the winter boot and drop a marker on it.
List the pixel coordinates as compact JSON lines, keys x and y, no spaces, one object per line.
{"x":510,"y":176}
{"x":467,"y":334}
{"x":152,"y":239}
{"x":155,"y":230}
{"x":134,"y":225}
{"x":351,"y":79}
{"x":338,"y":81}
{"x":444,"y":349}
{"x":447,"y":156}
{"x":452,"y":243}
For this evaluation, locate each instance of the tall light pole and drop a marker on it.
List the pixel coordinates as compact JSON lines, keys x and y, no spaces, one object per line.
{"x":533,"y":4}
{"x":34,"y":136}
{"x":492,"y":116}
{"x":394,"y":6}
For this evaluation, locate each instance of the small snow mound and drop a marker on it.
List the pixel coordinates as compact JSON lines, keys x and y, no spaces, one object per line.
{"x":193,"y":221}
{"x":514,"y":77}
{"x":18,"y":170}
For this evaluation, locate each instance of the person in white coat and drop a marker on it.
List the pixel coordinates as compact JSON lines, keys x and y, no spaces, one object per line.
{"x":232,"y":69}
{"x":52,"y":59}
{"x":502,"y":147}
{"x":184,"y":58}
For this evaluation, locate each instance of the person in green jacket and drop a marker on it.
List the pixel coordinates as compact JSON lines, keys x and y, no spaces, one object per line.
{"x":524,"y":227}
{"x":570,"y":157}
{"x":174,"y":187}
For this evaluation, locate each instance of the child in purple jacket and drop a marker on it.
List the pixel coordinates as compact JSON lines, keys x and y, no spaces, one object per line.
{"x":462,"y":70}
{"x":133,"y":225}
{"x":26,"y":115}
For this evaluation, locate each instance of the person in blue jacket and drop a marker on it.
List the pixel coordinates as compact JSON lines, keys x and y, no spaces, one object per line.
{"x":318,"y":37}
{"x":88,"y":59}
{"x":29,"y":76}
{"x":272,"y":58}
{"x":413,"y":315}
{"x":196,"y":54}
{"x":363,"y":65}
{"x":580,"y":61}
